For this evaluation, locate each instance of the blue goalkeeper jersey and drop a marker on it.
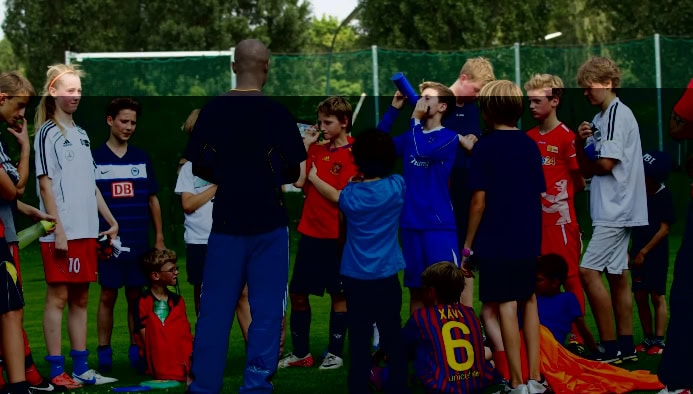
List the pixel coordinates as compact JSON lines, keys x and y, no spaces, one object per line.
{"x":126,"y":184}
{"x":449,"y":348}
{"x":428,"y":158}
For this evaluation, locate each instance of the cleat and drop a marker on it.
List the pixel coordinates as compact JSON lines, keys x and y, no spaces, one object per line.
{"x":331,"y":362}
{"x":92,"y":377}
{"x":656,"y":348}
{"x":64,"y":380}
{"x":292,"y":361}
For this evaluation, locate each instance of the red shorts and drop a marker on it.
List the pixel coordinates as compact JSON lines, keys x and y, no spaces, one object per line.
{"x":79,"y":265}
{"x":563,"y":240}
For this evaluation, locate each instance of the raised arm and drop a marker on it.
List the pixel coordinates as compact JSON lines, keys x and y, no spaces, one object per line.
{"x":385,"y":124}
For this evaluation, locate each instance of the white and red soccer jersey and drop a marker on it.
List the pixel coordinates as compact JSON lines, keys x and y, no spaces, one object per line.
{"x":557,"y":149}
{"x":67,"y":161}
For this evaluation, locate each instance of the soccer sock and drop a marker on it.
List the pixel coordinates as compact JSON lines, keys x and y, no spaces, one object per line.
{"x":610,"y":348}
{"x":57,"y":364}
{"x":105,"y":354}
{"x":27,"y":349}
{"x":300,"y":331}
{"x":79,"y":361}
{"x":338,"y":328}
{"x":626,"y":344}
{"x":134,"y":353}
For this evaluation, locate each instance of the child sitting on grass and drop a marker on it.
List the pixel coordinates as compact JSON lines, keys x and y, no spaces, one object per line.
{"x":163,"y":330}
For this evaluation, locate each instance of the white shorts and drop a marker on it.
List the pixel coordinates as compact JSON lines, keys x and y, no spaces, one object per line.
{"x":608,"y":249}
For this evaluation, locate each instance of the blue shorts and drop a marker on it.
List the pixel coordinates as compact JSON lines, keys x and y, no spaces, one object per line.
{"x":125,"y":270}
{"x":195,"y":255}
{"x":316,"y":269}
{"x":422,"y":249}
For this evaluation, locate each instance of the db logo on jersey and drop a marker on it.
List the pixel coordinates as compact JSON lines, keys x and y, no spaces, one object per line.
{"x":122,"y":189}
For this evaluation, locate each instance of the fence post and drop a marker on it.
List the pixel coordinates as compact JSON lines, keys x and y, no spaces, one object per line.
{"x":376,"y":86}
{"x":232,"y":77}
{"x":68,"y":56}
{"x":518,"y":81}
{"x":658,"y":82}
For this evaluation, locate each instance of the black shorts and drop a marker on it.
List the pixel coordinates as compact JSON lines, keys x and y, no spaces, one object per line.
{"x":10,"y":287}
{"x":502,"y":280}
{"x":195,"y":255}
{"x":316,"y":269}
{"x":651,"y":276}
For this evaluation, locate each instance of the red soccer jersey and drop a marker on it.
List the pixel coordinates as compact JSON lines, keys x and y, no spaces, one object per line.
{"x":557,"y":149}
{"x":320,"y":217}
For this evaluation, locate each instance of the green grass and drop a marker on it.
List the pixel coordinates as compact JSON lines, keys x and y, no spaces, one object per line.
{"x":309,"y":380}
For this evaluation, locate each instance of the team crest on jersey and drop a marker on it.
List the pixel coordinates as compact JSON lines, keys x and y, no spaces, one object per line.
{"x":336,"y":169}
{"x":84,"y":142}
{"x":67,"y":143}
{"x":69,"y":155}
{"x":552,"y":149}
{"x":135,"y":171}
{"x":122,"y":189}
{"x":548,"y":161}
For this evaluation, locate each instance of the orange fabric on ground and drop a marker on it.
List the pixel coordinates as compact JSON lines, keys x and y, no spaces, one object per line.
{"x":568,"y":373}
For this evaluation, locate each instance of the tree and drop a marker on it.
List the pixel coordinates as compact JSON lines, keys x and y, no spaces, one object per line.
{"x":322,"y":32}
{"x":42,"y":30}
{"x":8,"y":60}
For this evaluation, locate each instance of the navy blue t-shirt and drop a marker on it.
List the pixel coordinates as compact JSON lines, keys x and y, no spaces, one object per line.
{"x":126,"y":184}
{"x":249,"y":145}
{"x":464,"y":120}
{"x":558,"y":312}
{"x":660,"y":208}
{"x":507,"y":165}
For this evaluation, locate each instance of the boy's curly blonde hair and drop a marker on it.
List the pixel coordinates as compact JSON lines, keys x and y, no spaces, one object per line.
{"x":153,"y":260}
{"x":551,"y":84}
{"x":478,"y":69}
{"x":600,"y":70}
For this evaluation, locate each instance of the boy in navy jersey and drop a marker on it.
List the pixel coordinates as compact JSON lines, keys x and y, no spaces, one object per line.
{"x":428,"y":150}
{"x":446,"y":336}
{"x":125,"y":176}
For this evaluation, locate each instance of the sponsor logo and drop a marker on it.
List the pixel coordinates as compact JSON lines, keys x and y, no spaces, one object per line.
{"x":135,"y":171}
{"x":552,"y":149}
{"x":67,"y":143}
{"x":69,"y":155}
{"x":122,"y":189}
{"x":548,"y":161}
{"x":105,"y":172}
{"x":416,"y":163}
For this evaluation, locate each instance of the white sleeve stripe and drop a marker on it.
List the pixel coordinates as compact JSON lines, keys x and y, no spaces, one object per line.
{"x":612,"y":121}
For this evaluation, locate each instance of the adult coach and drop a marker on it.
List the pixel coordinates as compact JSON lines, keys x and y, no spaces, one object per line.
{"x":249,"y":146}
{"x":673,"y":370}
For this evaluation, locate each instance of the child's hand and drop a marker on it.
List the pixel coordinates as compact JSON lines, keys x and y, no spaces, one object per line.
{"x":639,"y":259}
{"x":312,"y":135}
{"x":468,"y":141}
{"x":420,"y":110}
{"x":584,"y":131}
{"x":313,"y":173}
{"x":398,"y":100}
{"x":19,"y":130}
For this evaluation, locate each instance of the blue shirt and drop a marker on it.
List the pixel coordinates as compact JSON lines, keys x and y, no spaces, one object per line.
{"x":428,"y":158}
{"x":507,"y":166}
{"x":464,"y":120}
{"x":126,"y":184}
{"x":372,"y":210}
{"x":558,"y":312}
{"x":660,"y":209}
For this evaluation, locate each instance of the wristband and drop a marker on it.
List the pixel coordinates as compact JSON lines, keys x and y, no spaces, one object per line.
{"x":466,"y":252}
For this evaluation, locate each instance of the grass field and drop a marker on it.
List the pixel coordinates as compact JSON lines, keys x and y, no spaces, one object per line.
{"x":309,"y":380}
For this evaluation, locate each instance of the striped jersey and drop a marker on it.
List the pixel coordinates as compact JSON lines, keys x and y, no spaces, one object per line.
{"x":126,"y":184}
{"x":618,"y":199}
{"x":66,"y":159}
{"x":449,"y":349}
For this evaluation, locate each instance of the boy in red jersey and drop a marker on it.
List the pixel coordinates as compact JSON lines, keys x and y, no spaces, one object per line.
{"x":446,"y":336}
{"x":316,"y":269}
{"x":560,"y":229}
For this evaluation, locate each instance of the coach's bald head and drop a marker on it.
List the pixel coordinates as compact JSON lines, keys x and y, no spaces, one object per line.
{"x":251,"y":64}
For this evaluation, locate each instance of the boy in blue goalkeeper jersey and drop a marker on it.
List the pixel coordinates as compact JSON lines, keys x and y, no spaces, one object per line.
{"x":446,"y":336}
{"x":428,"y":150}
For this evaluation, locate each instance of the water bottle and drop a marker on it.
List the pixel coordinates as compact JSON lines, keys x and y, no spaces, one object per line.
{"x":33,"y":232}
{"x":405,"y":88}
{"x":161,"y":309}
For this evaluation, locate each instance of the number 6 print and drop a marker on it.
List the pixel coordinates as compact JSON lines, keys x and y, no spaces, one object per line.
{"x":451,"y":344}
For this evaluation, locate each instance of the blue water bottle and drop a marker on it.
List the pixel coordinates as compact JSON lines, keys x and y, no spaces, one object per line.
{"x":405,"y":88}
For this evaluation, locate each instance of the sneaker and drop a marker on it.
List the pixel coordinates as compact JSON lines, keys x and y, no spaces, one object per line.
{"x":292,"y":361}
{"x":331,"y":362}
{"x":643,"y":346}
{"x":630,"y":357}
{"x":92,"y":377}
{"x":64,"y":380}
{"x":537,"y":387}
{"x":521,"y":389}
{"x":656,"y":348}
{"x":576,"y":348}
{"x":601,"y":356}
{"x":666,"y":390}
{"x":45,"y":385}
